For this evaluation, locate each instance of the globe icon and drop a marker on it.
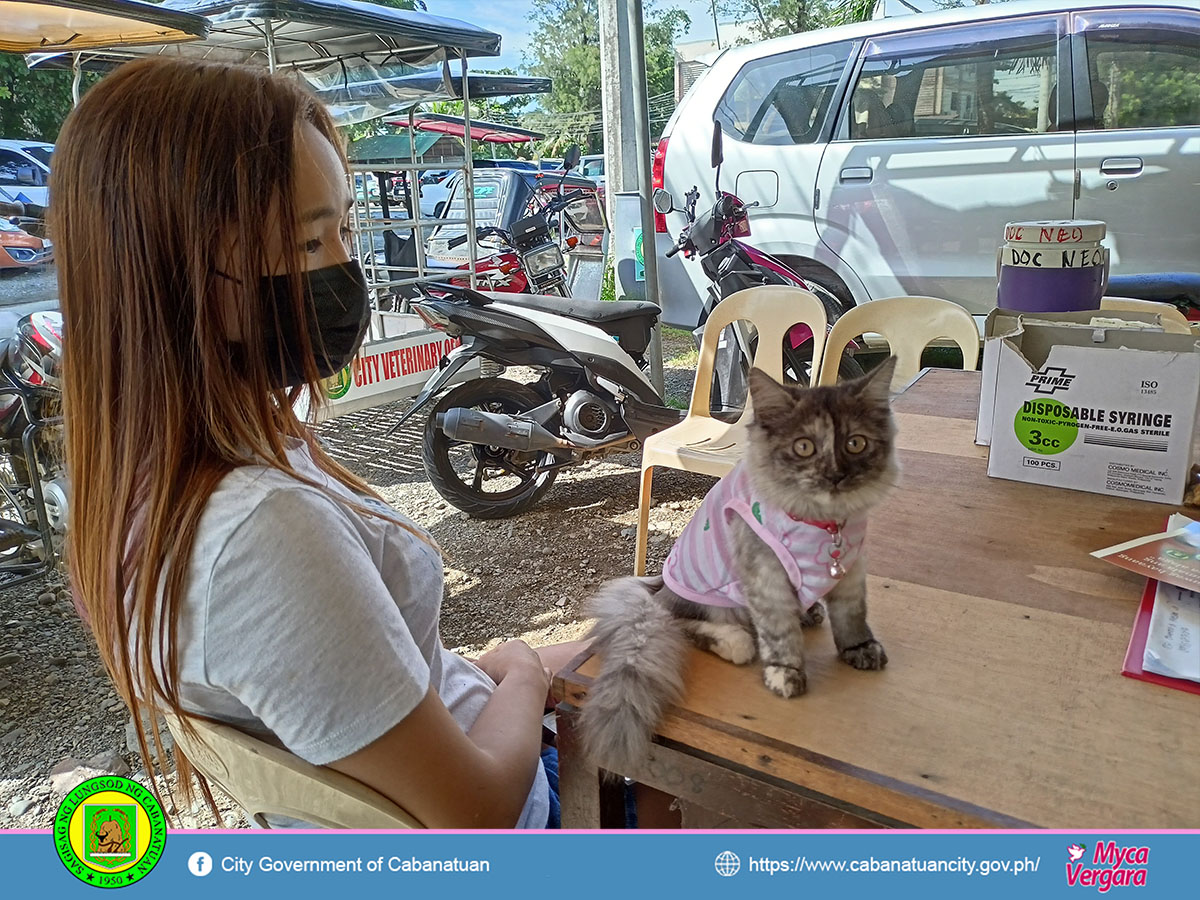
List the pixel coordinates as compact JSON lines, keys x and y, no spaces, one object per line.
{"x":727,"y":863}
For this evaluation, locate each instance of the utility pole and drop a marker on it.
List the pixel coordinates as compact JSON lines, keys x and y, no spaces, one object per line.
{"x":627,"y":148}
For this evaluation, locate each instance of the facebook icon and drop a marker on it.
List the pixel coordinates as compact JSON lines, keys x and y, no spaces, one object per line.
{"x":200,"y":864}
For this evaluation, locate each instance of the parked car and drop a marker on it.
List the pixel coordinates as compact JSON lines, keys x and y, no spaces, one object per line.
{"x":434,"y":191}
{"x":886,"y":157}
{"x":21,"y":250}
{"x":25,"y":171}
{"x":592,"y":167}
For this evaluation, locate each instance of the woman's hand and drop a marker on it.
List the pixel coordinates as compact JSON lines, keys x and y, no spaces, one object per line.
{"x":513,"y":658}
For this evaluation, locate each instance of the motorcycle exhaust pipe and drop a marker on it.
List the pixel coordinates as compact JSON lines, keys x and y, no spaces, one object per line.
{"x":497,"y":430}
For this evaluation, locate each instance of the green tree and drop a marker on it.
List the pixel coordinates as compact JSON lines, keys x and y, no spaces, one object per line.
{"x":776,"y":18}
{"x":33,"y":104}
{"x":565,"y":47}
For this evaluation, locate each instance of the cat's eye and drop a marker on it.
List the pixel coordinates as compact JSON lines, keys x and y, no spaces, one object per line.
{"x":804,"y":447}
{"x":856,"y":443}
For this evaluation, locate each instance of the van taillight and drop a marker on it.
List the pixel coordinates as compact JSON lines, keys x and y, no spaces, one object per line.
{"x":657,"y":175}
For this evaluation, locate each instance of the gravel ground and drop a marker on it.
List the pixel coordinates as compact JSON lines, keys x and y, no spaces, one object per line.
{"x":28,"y":285}
{"x":524,"y":577}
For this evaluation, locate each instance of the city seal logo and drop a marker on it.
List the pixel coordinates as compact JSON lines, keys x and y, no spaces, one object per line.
{"x":110,"y":831}
{"x":337,"y":386}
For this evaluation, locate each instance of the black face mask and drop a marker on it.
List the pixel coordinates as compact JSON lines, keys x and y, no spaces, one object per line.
{"x":340,"y":310}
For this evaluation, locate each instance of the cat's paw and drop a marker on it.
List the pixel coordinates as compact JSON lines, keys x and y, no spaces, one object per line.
{"x":785,"y":681}
{"x":734,"y":644}
{"x":812,"y":616}
{"x":867,"y":655}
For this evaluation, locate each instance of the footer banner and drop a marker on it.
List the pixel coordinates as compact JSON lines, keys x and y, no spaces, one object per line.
{"x":116,"y":846}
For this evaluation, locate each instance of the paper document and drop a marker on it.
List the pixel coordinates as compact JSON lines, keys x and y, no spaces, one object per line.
{"x":1173,"y":644}
{"x":1172,"y":556}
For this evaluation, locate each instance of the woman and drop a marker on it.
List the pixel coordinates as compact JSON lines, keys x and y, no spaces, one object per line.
{"x":227,"y":566}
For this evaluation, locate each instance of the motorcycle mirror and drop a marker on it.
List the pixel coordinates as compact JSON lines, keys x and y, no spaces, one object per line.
{"x":663,"y":201}
{"x":718,"y":148}
{"x":571,"y":160}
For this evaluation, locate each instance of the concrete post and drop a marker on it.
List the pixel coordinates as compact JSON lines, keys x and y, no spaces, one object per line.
{"x":642,"y":154}
{"x":620,"y":150}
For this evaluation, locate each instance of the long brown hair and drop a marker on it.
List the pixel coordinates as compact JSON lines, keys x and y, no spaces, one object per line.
{"x":164,"y":170}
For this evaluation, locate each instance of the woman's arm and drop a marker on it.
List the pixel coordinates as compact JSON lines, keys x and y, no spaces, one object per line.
{"x":450,"y":779}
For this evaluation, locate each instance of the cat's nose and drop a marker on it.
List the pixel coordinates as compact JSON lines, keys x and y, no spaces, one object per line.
{"x":836,"y":478}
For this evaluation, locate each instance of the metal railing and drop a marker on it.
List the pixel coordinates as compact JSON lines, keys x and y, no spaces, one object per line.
{"x":381,"y":276}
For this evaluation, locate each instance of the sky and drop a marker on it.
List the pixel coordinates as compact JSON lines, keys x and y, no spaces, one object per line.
{"x":512,"y":19}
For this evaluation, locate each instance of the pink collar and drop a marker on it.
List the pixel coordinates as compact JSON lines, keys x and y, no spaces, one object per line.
{"x":830,"y":526}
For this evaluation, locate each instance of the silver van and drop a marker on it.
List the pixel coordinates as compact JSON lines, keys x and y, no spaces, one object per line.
{"x":887,"y":156}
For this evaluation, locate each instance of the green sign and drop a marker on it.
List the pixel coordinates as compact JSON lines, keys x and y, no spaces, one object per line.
{"x":639,"y":256}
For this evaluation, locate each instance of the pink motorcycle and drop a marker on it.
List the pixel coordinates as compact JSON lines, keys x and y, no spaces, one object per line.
{"x":731,"y":265}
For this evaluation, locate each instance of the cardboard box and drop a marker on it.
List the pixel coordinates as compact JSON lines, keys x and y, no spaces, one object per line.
{"x":1071,"y":404}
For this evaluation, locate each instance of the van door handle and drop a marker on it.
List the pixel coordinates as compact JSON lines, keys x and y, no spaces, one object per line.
{"x":1121,"y":165}
{"x":859,"y":173}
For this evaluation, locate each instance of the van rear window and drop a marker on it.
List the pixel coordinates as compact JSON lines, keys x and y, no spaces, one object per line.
{"x":783,"y":99}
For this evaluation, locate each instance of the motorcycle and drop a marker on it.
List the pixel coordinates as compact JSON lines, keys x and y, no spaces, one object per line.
{"x":492,"y":447}
{"x":533,"y":258}
{"x":1180,"y":289}
{"x":731,"y":265}
{"x":33,"y":485}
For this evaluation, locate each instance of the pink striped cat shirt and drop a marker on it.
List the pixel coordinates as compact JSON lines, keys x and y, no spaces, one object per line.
{"x":815,"y":554}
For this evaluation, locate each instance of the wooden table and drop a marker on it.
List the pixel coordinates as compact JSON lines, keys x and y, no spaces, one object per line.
{"x":1002,"y":704}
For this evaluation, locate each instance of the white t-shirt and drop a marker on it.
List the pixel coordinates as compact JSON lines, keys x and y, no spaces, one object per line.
{"x":315,"y":627}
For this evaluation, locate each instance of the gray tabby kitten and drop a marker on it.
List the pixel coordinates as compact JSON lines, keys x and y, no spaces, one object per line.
{"x":820,"y":454}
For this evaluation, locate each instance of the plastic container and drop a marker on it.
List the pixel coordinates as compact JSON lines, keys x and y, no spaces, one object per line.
{"x":1057,"y":266}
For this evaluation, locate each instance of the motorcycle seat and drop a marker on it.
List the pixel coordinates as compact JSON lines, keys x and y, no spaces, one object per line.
{"x":629,"y":321}
{"x":598,"y":312}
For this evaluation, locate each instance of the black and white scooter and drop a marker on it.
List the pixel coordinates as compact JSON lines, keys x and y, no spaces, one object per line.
{"x":493,"y":446}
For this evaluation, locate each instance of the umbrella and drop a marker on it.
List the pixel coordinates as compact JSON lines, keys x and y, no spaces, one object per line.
{"x":45,"y":25}
{"x":488,"y":132}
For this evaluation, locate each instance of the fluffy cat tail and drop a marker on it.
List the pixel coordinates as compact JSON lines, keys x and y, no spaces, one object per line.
{"x":643,"y":648}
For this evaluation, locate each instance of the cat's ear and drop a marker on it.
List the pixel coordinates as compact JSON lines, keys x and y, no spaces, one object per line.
{"x":876,"y":386}
{"x":771,"y":399}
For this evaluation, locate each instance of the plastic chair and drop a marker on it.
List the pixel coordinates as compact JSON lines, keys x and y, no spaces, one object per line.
{"x":1173,"y":321}
{"x":909,"y":324}
{"x":706,"y":445}
{"x":268,"y":781}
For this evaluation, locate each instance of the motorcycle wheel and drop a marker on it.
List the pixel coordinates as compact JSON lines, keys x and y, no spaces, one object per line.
{"x":797,"y":366}
{"x":486,"y":482}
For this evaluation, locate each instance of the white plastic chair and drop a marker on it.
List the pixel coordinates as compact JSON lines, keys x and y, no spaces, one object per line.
{"x":908,"y":324}
{"x":268,"y":781}
{"x":1173,"y":321}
